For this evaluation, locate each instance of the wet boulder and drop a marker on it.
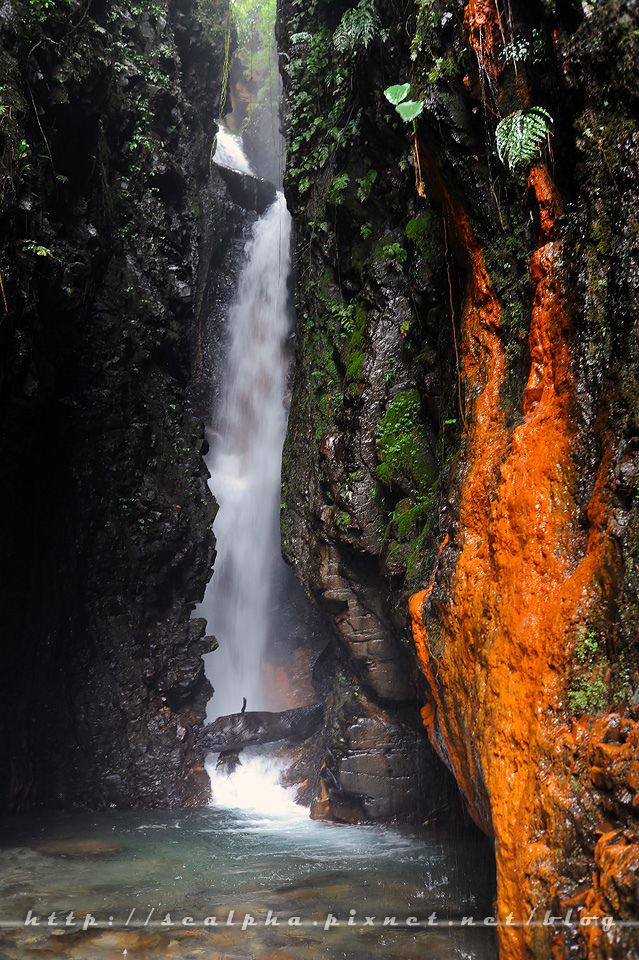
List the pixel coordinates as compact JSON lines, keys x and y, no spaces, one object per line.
{"x":248,"y":192}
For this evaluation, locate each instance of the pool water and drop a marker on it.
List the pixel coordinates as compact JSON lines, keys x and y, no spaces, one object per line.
{"x":250,"y":877}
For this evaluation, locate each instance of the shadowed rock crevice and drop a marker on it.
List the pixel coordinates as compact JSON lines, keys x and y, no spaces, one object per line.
{"x":105,"y":515}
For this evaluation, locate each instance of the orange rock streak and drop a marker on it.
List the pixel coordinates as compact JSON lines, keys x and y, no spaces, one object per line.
{"x":495,"y":656}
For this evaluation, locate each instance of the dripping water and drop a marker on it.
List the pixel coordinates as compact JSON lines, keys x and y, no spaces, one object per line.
{"x":489,"y":97}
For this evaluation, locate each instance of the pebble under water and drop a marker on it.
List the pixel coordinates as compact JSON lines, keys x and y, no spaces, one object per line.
{"x":147,"y":884}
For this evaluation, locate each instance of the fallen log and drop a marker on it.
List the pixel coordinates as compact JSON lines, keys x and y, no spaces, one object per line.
{"x":239,"y":730}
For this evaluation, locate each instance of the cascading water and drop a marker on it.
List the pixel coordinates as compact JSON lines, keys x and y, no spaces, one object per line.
{"x":244,"y":463}
{"x":229,"y":151}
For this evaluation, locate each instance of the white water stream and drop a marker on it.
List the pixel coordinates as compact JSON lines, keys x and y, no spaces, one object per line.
{"x":244,"y":462}
{"x":229,"y":151}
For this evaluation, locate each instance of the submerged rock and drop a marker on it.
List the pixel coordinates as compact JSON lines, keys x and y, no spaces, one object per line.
{"x":78,"y":849}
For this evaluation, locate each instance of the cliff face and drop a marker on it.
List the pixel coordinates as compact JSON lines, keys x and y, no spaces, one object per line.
{"x":361,"y":456}
{"x":464,"y":420}
{"x":106,"y":124}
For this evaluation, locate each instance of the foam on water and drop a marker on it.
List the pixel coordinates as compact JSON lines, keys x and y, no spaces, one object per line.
{"x":254,"y":789}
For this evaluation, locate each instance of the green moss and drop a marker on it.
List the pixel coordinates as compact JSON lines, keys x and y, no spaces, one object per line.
{"x":354,"y":351}
{"x":409,"y":538}
{"x":342,"y":519}
{"x":409,"y":517}
{"x":588,"y":641}
{"x":589,"y":694}
{"x":402,"y":444}
{"x":437,"y":57}
{"x":425,"y":236}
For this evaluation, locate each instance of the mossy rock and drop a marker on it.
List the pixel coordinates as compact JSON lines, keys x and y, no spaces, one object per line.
{"x":403,"y":447}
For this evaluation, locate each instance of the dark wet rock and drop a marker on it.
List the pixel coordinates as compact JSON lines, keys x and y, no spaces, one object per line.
{"x":248,"y":192}
{"x":389,"y":486}
{"x":228,"y":761}
{"x":105,"y":515}
{"x":239,"y":730}
{"x":355,"y":526}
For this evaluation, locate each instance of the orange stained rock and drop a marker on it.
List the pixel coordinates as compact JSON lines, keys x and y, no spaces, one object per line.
{"x":289,"y":685}
{"x":484,"y":34}
{"x":525,"y":575}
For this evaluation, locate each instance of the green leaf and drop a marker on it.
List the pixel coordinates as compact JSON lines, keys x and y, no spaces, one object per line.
{"x":30,"y":246}
{"x":520,"y":135}
{"x":397,"y":93}
{"x":409,"y":110}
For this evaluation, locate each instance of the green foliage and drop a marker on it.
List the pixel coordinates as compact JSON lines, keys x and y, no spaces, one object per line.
{"x":316,"y":135}
{"x":23,"y":156}
{"x":588,"y":641}
{"x":30,"y":246}
{"x":336,"y":188}
{"x":357,"y":28}
{"x":597,"y":683}
{"x":402,"y":445}
{"x":255,"y":24}
{"x":516,"y":50}
{"x":589,"y":695}
{"x":354,"y":352}
{"x":520,"y":135}
{"x":408,"y":110}
{"x":409,"y":516}
{"x":147,"y":6}
{"x":391,"y":373}
{"x":365,"y":185}
{"x":436,"y":54}
{"x":394,"y":251}
{"x":397,"y":93}
{"x":342,"y":519}
{"x":41,"y":7}
{"x":365,"y":230}
{"x":254,"y":21}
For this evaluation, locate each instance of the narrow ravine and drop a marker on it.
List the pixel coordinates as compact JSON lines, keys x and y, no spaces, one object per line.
{"x":319,"y":479}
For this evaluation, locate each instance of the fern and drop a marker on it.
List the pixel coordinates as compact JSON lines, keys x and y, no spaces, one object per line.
{"x":520,"y":135}
{"x":358,"y":28}
{"x":302,"y":40}
{"x":336,"y":188}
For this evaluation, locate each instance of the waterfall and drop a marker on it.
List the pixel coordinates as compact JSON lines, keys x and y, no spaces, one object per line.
{"x":229,"y":151}
{"x":244,"y":462}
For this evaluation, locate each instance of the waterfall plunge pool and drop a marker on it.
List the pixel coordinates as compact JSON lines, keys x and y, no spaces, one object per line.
{"x":170,"y":872}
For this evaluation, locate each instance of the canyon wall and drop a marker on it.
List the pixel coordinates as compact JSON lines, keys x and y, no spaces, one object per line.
{"x":107,"y":121}
{"x":459,"y":474}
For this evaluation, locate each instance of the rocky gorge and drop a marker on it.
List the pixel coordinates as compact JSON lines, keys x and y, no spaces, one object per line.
{"x":459,"y":492}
